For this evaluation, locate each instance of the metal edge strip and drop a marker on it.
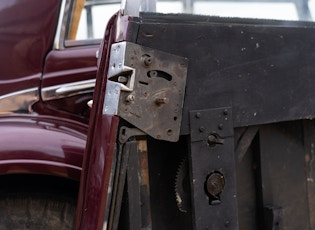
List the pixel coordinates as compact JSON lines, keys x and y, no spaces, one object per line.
{"x":67,"y":90}
{"x":19,"y":101}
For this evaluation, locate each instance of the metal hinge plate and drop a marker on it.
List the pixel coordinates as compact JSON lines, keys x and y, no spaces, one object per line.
{"x":146,"y":87}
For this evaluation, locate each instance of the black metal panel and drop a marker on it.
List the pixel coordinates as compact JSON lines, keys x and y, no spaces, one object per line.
{"x":263,"y":69}
{"x":207,"y":159}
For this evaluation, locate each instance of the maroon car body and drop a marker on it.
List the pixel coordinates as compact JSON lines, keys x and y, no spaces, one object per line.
{"x":46,"y":82}
{"x":47,"y":130}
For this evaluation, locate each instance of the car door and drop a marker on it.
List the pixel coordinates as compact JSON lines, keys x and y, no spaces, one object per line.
{"x":25,"y":40}
{"x":70,"y":68}
{"x":202,"y":122}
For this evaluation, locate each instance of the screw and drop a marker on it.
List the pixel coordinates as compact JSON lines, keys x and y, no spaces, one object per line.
{"x":220,"y":126}
{"x":197,"y":115}
{"x":130,"y":98}
{"x":225,"y":112}
{"x":160,"y":101}
{"x":146,"y":59}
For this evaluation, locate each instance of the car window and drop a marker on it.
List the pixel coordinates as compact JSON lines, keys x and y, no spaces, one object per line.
{"x":94,"y":18}
{"x":89,"y":18}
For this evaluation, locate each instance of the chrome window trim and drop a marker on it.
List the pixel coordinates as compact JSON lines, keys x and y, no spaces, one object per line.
{"x":60,"y":41}
{"x":62,"y":24}
{"x":67,"y":90}
{"x":19,"y":101}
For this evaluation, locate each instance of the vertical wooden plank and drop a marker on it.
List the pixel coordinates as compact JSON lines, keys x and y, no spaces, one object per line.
{"x":282,"y":169}
{"x":309,"y":145}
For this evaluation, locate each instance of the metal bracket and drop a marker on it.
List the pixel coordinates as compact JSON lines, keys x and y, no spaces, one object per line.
{"x":125,"y":133}
{"x":146,"y":87}
{"x":213,"y":180}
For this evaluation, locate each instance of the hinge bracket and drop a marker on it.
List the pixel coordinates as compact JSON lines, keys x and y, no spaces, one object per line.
{"x":146,"y":87}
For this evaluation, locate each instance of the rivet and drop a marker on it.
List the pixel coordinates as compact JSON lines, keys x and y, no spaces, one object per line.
{"x":197,"y":115}
{"x":201,"y":129}
{"x":122,"y":79}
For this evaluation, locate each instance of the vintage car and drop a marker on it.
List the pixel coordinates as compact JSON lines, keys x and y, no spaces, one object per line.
{"x":165,"y":120}
{"x":47,"y":77}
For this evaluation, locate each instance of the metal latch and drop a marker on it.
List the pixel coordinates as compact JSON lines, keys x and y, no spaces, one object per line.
{"x":146,"y":87}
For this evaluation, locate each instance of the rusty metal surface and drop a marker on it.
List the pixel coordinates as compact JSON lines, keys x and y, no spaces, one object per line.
{"x":152,"y":92}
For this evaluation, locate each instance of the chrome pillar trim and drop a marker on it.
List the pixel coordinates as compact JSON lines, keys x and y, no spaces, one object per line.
{"x":130,"y":8}
{"x":62,"y":21}
{"x":133,"y":7}
{"x":19,"y":102}
{"x":68,"y":89}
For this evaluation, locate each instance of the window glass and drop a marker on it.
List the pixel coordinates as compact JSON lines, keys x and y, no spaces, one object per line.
{"x":311,"y":6}
{"x":89,"y":17}
{"x":170,"y":7}
{"x":92,"y":20}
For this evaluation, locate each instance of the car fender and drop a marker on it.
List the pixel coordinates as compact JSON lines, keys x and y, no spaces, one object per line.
{"x":34,"y":144}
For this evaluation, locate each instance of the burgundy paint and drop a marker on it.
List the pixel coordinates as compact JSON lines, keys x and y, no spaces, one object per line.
{"x":27,"y":30}
{"x":43,"y":145}
{"x":70,"y":65}
{"x":99,"y":151}
{"x":103,"y":129}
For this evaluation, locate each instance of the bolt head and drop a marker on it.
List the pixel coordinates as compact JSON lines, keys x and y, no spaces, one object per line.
{"x":130,"y":98}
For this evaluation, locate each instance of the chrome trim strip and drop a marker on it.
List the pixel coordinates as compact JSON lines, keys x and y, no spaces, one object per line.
{"x":19,"y":102}
{"x":68,"y":89}
{"x":88,"y":42}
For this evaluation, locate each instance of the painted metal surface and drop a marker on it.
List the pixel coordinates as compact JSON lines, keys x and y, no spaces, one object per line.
{"x":98,"y":158}
{"x":73,"y":70}
{"x":234,"y":62}
{"x":41,"y":145}
{"x":69,"y":65}
{"x":25,"y":39}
